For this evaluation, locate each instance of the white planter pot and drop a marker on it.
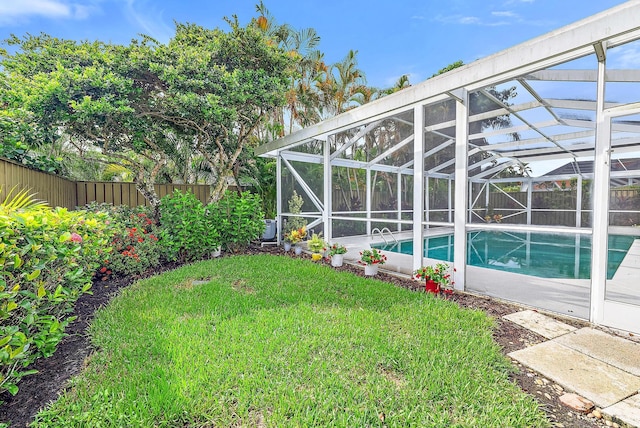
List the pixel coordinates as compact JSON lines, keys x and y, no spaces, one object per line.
{"x":337,"y":260}
{"x":287,"y":246}
{"x":298,"y":250}
{"x":370,"y":270}
{"x":217,"y":252}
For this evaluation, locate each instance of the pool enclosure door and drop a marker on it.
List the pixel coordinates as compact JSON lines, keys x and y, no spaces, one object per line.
{"x":616,"y":295}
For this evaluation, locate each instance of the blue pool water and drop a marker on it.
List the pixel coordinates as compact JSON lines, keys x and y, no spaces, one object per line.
{"x":536,"y":254}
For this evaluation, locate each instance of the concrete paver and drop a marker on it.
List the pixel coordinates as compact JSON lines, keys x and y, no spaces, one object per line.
{"x":628,"y":411}
{"x":600,"y":367}
{"x":595,"y":380}
{"x":613,"y":350}
{"x":543,"y":325}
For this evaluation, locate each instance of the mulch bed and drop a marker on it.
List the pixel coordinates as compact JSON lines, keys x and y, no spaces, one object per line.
{"x":38,"y":390}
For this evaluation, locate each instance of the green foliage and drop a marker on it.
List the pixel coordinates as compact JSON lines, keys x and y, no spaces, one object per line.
{"x":272,"y":341}
{"x":238,"y":218}
{"x":184,"y":230}
{"x":47,"y":258}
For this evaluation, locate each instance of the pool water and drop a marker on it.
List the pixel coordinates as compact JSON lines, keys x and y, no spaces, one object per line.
{"x":536,"y":254}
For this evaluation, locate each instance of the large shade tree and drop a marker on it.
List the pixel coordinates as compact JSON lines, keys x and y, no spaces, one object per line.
{"x":145,"y":104}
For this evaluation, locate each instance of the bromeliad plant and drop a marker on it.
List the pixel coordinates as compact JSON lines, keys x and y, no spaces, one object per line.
{"x":440,"y":273}
{"x":372,"y":257}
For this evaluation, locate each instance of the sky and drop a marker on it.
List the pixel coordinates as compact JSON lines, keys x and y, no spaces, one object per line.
{"x":414,"y":37}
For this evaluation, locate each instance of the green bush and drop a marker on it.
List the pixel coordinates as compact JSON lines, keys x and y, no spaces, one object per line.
{"x":47,"y":260}
{"x":238,"y":219}
{"x":184,"y":230}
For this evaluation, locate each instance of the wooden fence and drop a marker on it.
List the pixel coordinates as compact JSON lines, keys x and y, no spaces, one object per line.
{"x":57,"y":191}
{"x":60,"y":192}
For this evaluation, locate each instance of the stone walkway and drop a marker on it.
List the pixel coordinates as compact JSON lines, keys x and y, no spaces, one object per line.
{"x":602,"y":368}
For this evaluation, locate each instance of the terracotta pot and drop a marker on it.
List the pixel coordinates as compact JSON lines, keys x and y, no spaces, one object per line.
{"x":337,"y":260}
{"x":431,"y":286}
{"x":370,"y":270}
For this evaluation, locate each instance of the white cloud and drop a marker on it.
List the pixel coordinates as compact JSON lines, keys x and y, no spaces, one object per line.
{"x":469,"y":20}
{"x":627,"y":56}
{"x":149,"y":19}
{"x":16,"y":12}
{"x":505,"y":14}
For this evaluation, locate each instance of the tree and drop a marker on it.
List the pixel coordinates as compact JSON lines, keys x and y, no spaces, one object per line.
{"x":143,"y":105}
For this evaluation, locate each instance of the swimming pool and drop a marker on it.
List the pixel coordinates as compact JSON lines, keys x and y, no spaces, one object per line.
{"x":536,"y":254}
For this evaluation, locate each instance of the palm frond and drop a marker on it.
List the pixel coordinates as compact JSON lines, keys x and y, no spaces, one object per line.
{"x":21,"y":200}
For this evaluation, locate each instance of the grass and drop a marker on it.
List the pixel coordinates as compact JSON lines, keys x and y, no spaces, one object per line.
{"x":273,"y":341}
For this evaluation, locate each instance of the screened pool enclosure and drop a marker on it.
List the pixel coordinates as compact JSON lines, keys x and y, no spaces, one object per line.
{"x":522,"y":169}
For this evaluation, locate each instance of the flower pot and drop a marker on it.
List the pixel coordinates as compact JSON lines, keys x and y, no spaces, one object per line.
{"x":216,"y":253}
{"x":431,"y":286}
{"x":298,"y":250}
{"x":337,"y":260}
{"x":316,"y":256}
{"x":287,"y":246}
{"x":370,"y":270}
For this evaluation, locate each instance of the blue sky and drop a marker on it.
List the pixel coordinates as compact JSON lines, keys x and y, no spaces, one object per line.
{"x":392,"y":38}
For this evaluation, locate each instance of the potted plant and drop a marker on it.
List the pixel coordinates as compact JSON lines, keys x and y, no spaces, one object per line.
{"x":437,"y":278}
{"x":317,"y":245}
{"x":337,"y":252}
{"x":371,"y":259}
{"x":295,"y":236}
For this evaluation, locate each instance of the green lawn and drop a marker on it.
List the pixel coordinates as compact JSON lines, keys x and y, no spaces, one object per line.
{"x":273,"y":341}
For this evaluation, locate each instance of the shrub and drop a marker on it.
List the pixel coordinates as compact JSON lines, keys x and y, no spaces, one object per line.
{"x":47,"y":258}
{"x":184,"y":231}
{"x":135,"y":241}
{"x":238,"y":218}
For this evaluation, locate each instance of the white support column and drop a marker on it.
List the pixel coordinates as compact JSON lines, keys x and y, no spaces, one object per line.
{"x":529,"y":200}
{"x":328,"y":190}
{"x":368,"y":203}
{"x":279,"y":197}
{"x":399,"y":200}
{"x":449,"y":202}
{"x":461,"y":193}
{"x":600,"y":199}
{"x":427,"y":208}
{"x":579,"y":185}
{"x":418,"y":186}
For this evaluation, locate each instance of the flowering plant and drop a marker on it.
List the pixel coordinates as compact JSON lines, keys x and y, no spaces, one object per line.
{"x":337,"y":248}
{"x":438,"y":273}
{"x":296,"y":235}
{"x":372,"y":257}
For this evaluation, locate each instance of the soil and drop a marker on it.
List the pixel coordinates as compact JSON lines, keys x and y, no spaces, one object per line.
{"x":37,"y":390}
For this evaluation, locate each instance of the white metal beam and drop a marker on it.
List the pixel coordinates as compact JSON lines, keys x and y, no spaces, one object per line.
{"x":461,"y":194}
{"x":418,"y":187}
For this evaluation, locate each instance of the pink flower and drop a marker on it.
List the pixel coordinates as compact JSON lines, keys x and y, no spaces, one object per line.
{"x":75,"y":237}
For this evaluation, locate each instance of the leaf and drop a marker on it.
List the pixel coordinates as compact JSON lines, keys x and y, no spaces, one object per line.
{"x":12,"y":388}
{"x":33,"y":275}
{"x":41,"y":291}
{"x":5,"y":340}
{"x":11,"y":306}
{"x":17,"y":262}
